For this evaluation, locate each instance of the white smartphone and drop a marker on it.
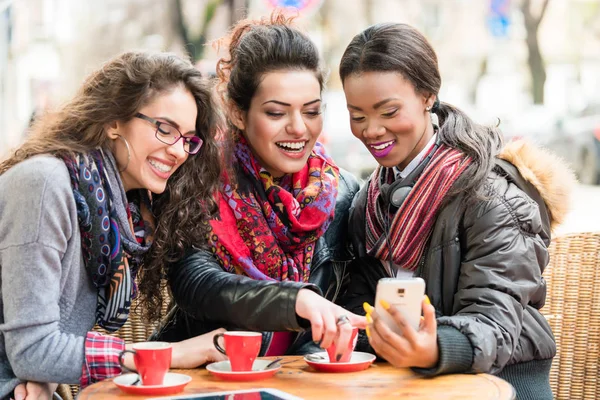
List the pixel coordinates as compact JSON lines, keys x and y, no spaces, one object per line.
{"x":406,"y":295}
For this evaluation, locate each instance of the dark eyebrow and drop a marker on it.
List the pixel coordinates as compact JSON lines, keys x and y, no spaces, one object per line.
{"x":312,"y":102}
{"x":170,"y":121}
{"x":375,"y":106}
{"x":176,"y":125}
{"x":382,"y":102}
{"x":288,"y":105}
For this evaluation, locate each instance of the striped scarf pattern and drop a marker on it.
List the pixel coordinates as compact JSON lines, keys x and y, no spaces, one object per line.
{"x":411,"y":225}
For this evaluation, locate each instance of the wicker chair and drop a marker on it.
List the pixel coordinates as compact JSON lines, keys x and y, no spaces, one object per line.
{"x":135,"y":330}
{"x":573,"y":311}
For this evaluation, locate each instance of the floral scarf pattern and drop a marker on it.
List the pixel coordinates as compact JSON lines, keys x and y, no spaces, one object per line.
{"x":267,"y":229}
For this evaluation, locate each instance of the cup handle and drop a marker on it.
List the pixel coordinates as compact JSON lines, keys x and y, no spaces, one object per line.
{"x":217,"y":345}
{"x":121,"y":355}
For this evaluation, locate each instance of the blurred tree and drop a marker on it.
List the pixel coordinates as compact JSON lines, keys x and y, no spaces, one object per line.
{"x":535,"y":60}
{"x":237,"y":10}
{"x":194,"y":45}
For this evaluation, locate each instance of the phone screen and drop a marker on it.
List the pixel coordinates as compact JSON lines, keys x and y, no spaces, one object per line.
{"x":236,"y":395}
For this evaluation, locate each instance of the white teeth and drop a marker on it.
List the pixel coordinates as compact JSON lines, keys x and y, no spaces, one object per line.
{"x":297,"y":146}
{"x":160,"y":166}
{"x":382,"y":146}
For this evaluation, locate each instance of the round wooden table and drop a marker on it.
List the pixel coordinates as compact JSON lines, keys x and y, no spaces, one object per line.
{"x":380,"y":381}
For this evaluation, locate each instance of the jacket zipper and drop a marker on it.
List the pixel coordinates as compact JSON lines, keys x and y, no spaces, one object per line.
{"x":419,"y":271}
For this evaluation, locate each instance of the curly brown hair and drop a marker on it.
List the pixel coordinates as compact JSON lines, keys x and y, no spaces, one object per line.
{"x":116,"y":92}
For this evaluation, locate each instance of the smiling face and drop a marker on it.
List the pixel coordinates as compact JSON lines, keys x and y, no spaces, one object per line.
{"x":388,"y":116}
{"x":152,"y":162}
{"x":284,"y":120}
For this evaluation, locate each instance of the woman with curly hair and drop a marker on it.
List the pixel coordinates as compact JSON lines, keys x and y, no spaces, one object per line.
{"x":276,"y":251}
{"x":86,"y":206}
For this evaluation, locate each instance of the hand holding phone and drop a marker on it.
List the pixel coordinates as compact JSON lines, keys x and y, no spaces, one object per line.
{"x":406,"y":295}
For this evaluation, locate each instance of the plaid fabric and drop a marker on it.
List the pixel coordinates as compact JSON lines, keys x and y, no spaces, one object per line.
{"x":101,"y":358}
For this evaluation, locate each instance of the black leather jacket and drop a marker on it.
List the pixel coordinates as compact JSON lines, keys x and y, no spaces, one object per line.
{"x":207,"y":297}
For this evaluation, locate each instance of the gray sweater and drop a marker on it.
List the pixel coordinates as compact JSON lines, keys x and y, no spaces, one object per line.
{"x":47,"y":300}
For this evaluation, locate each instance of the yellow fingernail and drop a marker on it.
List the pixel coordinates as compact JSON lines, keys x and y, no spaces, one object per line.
{"x":427,"y":301}
{"x":368,"y":332}
{"x":422,"y":319}
{"x":368,"y":308}
{"x":384,"y":304}
{"x":369,"y":319}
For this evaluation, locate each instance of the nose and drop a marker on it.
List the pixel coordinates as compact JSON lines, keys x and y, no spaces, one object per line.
{"x":373,"y":130}
{"x":176,"y":150}
{"x":296,"y":126}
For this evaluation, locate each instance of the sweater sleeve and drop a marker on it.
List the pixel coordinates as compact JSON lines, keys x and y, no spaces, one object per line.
{"x":36,"y":207}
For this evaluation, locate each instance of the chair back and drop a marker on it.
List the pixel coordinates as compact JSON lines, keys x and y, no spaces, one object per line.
{"x":573,"y":310}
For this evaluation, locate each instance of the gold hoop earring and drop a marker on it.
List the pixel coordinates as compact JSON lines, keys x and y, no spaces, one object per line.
{"x":128,"y":152}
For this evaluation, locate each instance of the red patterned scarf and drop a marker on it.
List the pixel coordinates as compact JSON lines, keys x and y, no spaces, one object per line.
{"x":268,"y":230}
{"x":412,"y":224}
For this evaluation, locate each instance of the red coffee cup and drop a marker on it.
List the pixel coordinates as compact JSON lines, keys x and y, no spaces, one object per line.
{"x":240,"y":347}
{"x":152,"y":361}
{"x":347,"y":354}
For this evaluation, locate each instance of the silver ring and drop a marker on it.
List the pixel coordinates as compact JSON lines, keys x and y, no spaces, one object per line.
{"x":343,"y":319}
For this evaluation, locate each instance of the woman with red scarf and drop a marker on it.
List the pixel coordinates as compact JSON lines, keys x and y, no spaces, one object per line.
{"x":277,"y":248}
{"x":449,"y":204}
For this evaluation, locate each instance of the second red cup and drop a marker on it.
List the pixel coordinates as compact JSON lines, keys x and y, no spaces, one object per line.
{"x":347,"y":354}
{"x":241,"y":348}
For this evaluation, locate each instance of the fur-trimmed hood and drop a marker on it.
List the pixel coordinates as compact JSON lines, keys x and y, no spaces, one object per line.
{"x":547,"y":172}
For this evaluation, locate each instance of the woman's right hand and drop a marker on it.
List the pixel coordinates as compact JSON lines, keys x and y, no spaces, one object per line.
{"x":324,"y":316}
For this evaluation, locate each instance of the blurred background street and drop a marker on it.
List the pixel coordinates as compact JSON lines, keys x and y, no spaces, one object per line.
{"x":584,"y":215}
{"x":531,"y":65}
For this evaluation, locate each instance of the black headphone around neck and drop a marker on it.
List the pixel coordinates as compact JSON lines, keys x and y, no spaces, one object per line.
{"x":396,"y":193}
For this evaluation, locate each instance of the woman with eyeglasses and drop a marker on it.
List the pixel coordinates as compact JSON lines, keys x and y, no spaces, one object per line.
{"x":276,"y":252}
{"x":87,"y":207}
{"x":448,"y":203}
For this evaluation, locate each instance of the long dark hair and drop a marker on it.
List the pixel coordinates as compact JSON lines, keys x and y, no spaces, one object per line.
{"x":400,"y":48}
{"x":257,"y":47}
{"x":116,"y":92}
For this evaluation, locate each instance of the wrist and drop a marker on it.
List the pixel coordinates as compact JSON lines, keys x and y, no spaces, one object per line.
{"x":128,"y":358}
{"x":300,"y":298}
{"x":433,"y":359}
{"x":175,"y":355}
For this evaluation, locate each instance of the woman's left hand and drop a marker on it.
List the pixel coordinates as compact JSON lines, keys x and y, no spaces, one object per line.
{"x":199,"y":350}
{"x":35,"y":391}
{"x":413,"y":348}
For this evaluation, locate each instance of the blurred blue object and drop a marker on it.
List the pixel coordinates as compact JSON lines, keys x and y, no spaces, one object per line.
{"x":499,"y":20}
{"x":298,"y":4}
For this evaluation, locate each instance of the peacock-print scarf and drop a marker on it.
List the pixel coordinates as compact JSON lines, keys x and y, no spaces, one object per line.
{"x":115,"y":234}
